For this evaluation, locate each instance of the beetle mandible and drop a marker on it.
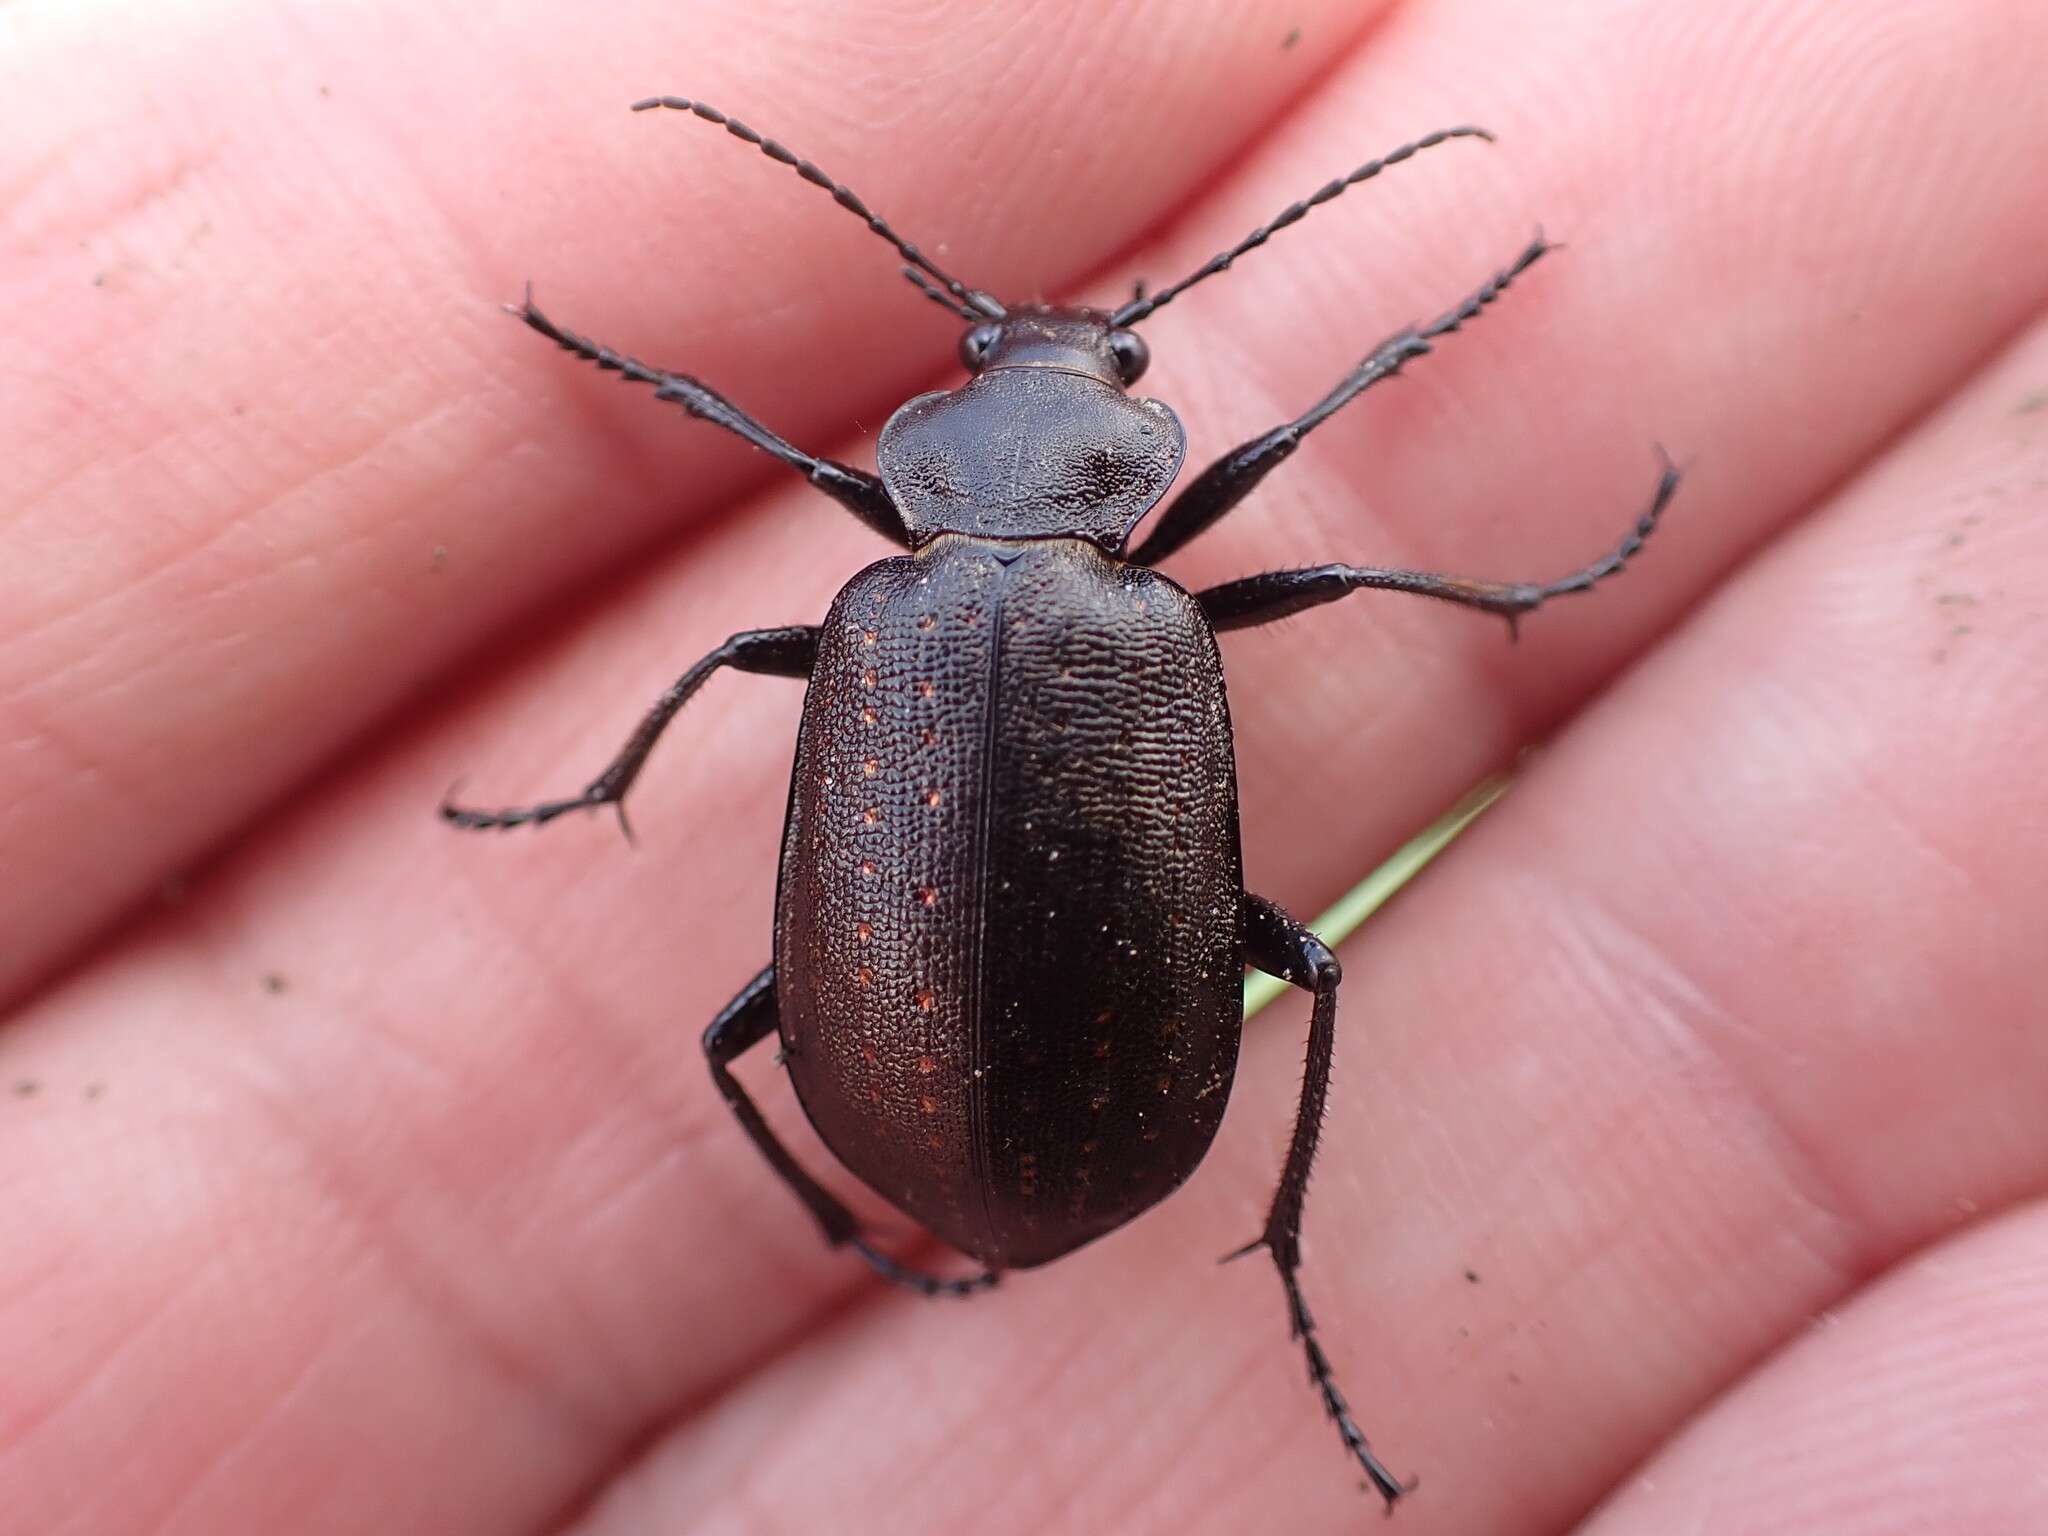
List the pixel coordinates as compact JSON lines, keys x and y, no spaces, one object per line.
{"x":1011,"y":921}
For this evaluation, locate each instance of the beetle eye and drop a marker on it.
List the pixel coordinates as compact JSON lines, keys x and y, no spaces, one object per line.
{"x":1131,"y":353}
{"x":974,"y":346}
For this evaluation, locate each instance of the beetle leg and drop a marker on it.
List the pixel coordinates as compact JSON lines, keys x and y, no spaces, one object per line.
{"x":1276,"y":594}
{"x":1282,"y":947}
{"x":861,"y":493}
{"x":1231,"y":478}
{"x":746,"y":1021}
{"x":774,"y":652}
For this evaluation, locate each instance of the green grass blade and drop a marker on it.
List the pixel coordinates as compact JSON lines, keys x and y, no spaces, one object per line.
{"x":1377,"y":888}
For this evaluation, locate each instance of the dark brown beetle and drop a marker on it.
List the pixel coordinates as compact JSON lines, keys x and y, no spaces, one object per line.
{"x":1011,"y":923}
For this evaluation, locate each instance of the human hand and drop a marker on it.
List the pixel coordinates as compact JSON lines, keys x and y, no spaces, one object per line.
{"x":372,"y":1184}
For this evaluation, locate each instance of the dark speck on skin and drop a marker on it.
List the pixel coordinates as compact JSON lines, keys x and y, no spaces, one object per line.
{"x":273,"y":983}
{"x":26,"y":1088}
{"x":2036,"y":400}
{"x":1293,"y":36}
{"x":1471,"y":1277}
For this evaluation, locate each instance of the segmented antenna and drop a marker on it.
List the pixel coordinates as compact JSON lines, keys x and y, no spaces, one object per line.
{"x":1139,"y":308}
{"x":940,"y":297}
{"x":980,"y":304}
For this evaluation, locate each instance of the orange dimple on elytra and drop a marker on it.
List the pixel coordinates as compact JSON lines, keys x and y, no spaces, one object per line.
{"x":931,"y":797}
{"x":871,"y":767}
{"x":864,"y":976}
{"x":926,"y":1065}
{"x":928,"y":1104}
{"x":867,"y":866}
{"x":928,"y":895}
{"x":867,"y":1054}
{"x":865,"y":932}
{"x":925,"y":1000}
{"x":925,"y":690}
{"x":867,"y":678}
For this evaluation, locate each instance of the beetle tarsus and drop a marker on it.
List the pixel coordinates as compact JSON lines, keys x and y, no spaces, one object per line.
{"x":918,"y":1280}
{"x":1277,"y":594}
{"x":1324,"y":1380}
{"x":470,"y":820}
{"x":767,"y":652}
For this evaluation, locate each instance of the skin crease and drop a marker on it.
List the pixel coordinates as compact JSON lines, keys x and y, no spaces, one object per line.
{"x":1684,"y":1163}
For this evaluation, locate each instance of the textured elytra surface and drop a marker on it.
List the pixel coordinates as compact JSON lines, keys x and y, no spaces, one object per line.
{"x":1007,"y":939}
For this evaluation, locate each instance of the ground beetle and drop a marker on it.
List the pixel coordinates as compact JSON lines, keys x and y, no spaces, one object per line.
{"x":1011,"y":922}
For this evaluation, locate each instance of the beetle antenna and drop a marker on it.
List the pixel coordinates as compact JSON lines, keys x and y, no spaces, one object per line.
{"x":940,"y":297}
{"x":1139,"y":308}
{"x":982,"y":305}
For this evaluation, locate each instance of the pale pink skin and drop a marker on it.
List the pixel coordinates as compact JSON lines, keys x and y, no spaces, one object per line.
{"x":375,"y":1184}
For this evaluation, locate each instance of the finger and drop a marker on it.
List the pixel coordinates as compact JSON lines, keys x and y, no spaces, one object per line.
{"x":526,"y":1011}
{"x":1750,"y":277}
{"x":280,"y":458}
{"x":268,"y":1123}
{"x":1724,"y":1011}
{"x":1918,"y":1406}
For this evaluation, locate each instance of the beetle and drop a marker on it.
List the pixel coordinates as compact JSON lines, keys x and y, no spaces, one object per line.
{"x":1010,"y":919}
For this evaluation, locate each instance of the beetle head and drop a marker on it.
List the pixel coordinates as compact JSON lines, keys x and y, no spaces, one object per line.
{"x":1082,"y":341}
{"x":1042,"y":442}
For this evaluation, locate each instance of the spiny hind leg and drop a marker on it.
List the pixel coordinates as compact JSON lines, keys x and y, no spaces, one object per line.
{"x":746,"y":1021}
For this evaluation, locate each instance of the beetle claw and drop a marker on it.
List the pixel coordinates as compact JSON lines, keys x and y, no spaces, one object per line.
{"x":918,"y":1280}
